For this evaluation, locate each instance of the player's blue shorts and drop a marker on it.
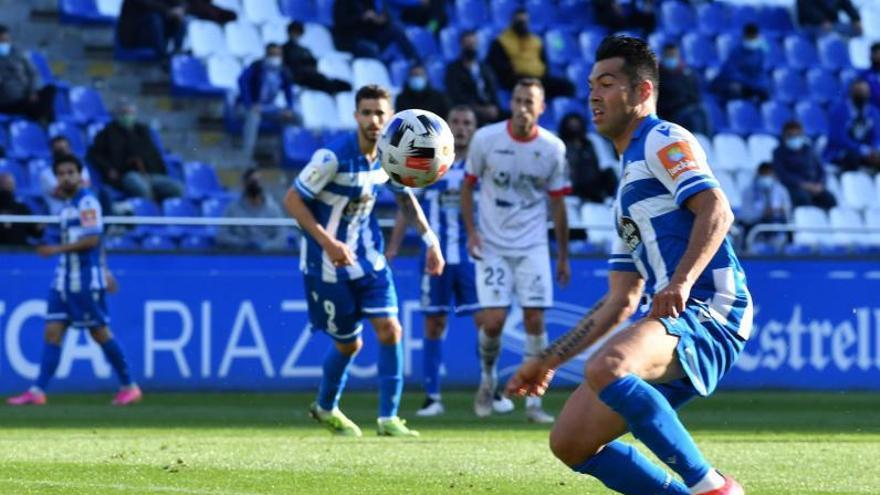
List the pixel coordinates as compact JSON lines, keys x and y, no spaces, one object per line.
{"x":87,"y":309}
{"x":338,"y":308}
{"x":707,"y":349}
{"x":457,"y":281}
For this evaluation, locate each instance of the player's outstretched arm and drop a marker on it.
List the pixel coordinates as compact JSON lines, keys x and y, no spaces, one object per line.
{"x":338,"y":251}
{"x":83,"y":244}
{"x":412,"y":211}
{"x":474,"y":243}
{"x":712,"y":220}
{"x":560,"y":230}
{"x":618,"y":304}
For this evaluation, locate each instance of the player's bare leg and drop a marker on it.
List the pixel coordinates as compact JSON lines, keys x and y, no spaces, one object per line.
{"x":491,"y":325}
{"x":435,"y":330}
{"x":330,"y":415}
{"x":536,"y":341}
{"x":36,"y":395}
{"x":388,"y":331}
{"x":129,"y":392}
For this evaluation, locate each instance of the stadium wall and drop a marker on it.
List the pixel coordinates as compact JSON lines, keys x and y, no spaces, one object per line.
{"x":221,"y":322}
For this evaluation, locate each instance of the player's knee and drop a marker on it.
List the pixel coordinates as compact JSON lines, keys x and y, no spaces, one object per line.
{"x":492,"y":325}
{"x":435,"y":326}
{"x":570,"y":449}
{"x":389,"y":331}
{"x":100,"y":335}
{"x":604,"y":368}
{"x":350,"y":348}
{"x":534,"y":322}
{"x":53,"y":334}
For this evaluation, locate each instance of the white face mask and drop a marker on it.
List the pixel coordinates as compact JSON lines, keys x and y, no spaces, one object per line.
{"x":766,"y":181}
{"x":273,"y":62}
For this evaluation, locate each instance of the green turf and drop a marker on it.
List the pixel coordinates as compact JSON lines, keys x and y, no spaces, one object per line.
{"x":775,"y":443}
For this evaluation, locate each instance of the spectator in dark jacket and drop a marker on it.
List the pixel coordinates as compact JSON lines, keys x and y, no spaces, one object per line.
{"x":12,"y":234}
{"x":127,"y":158}
{"x":427,"y":13}
{"x":680,"y":99}
{"x":364,"y":28}
{"x":471,"y":82}
{"x":303,"y":65}
{"x":518,"y":53}
{"x":854,"y":141}
{"x":798,"y":167}
{"x":204,"y":9}
{"x":152,"y":24}
{"x":743,"y":74}
{"x":418,"y":93}
{"x":259,"y":86}
{"x":871,"y":75}
{"x":254,"y":203}
{"x":821,"y":16}
{"x":19,"y":92}
{"x":637,"y":14}
{"x":589,"y":181}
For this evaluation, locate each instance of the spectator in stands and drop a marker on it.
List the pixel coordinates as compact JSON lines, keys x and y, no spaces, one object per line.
{"x":766,"y":200}
{"x":14,"y":233}
{"x":204,"y":9}
{"x":637,"y":14}
{"x":254,"y":203}
{"x":364,"y":28}
{"x":800,"y":170}
{"x":19,"y":91}
{"x":418,"y":93}
{"x":517,"y":53}
{"x":854,"y":140}
{"x":259,"y":86}
{"x":681,"y":101}
{"x":743,"y":74}
{"x":127,"y":157}
{"x":822,"y":16}
{"x":303,"y":65}
{"x":426,"y":13}
{"x":588,"y":180}
{"x":52,"y":195}
{"x":152,"y":24}
{"x":871,"y":75}
{"x":471,"y":82}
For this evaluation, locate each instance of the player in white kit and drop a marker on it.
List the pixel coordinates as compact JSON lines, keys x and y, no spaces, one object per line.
{"x":518,"y":165}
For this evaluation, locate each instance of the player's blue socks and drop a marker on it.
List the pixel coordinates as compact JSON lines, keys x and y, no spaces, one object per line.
{"x":114,"y":355}
{"x":652,"y":420}
{"x":390,"y":379}
{"x":433,"y":358}
{"x":48,"y":364}
{"x":622,"y":468}
{"x":334,"y":378}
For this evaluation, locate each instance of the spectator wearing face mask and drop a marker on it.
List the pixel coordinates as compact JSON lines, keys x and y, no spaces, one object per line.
{"x":20,"y":93}
{"x":254,"y":203}
{"x":418,"y":93}
{"x":766,"y":200}
{"x":303,"y":65}
{"x":15,"y":234}
{"x":128,"y":159}
{"x":854,"y":141}
{"x":743,"y":75}
{"x":681,"y":101}
{"x":589,"y":181}
{"x":800,"y":170}
{"x":471,"y":82}
{"x":259,"y":86}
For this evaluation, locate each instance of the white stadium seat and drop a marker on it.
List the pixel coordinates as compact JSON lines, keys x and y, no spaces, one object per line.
{"x":573,"y":211}
{"x":593,"y":214}
{"x":274,"y":32}
{"x":706,"y":143}
{"x":233,"y":5}
{"x":261,"y":11}
{"x":832,"y":183}
{"x":872,"y":221}
{"x":730,"y":188}
{"x":370,"y":71}
{"x":223,"y":71}
{"x":857,"y":191}
{"x":345,"y":109}
{"x":336,"y":68}
{"x":842,"y":217}
{"x":206,"y":38}
{"x":731,"y":152}
{"x":859,"y":52}
{"x":318,"y":110}
{"x":811,"y":216}
{"x":317,"y":38}
{"x":109,"y":8}
{"x":877,"y":185}
{"x":244,"y":41}
{"x":761,"y":148}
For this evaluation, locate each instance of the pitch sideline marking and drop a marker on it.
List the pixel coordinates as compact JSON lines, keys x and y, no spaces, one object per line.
{"x":116,"y":486}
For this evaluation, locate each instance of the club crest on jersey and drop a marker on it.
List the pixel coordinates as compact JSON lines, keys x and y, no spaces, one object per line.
{"x":629,"y":232}
{"x":678,"y":158}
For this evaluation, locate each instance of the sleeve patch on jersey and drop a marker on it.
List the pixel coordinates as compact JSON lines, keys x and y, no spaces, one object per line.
{"x":88,"y":218}
{"x":678,"y":158}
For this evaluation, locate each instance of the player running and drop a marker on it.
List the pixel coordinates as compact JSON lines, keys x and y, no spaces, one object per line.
{"x":517,"y":164}
{"x":672,"y":220}
{"x":77,"y":295}
{"x":346,"y":275}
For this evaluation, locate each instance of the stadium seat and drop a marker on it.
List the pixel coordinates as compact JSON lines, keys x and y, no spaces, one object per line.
{"x":200,"y":180}
{"x":716,"y":114}
{"x":860,"y":52}
{"x":109,"y":8}
{"x":4,"y":136}
{"x":472,"y":14}
{"x":196,"y":242}
{"x":761,"y":147}
{"x":82,"y":12}
{"x":485,"y":36}
{"x":813,"y":118}
{"x":297,"y":146}
{"x":731,"y":152}
{"x":810,"y":217}
{"x":824,"y":87}
{"x":214,"y":207}
{"x":741,"y":14}
{"x":87,"y":106}
{"x":120,"y":243}
{"x":676,"y":17}
{"x":38,"y":60}
{"x":775,"y":54}
{"x":599,"y":222}
{"x":437,"y":74}
{"x":399,"y":72}
{"x":775,"y":19}
{"x":744,"y":117}
{"x":274,"y":32}
{"x":560,"y":47}
{"x":158,"y":242}
{"x":317,"y":38}
{"x":325,"y":12}
{"x":543,"y":15}
{"x":858,"y":191}
{"x":706,"y":144}
{"x":345,"y":109}
{"x":141,"y":207}
{"x":574,"y":13}
{"x":336,"y":68}
{"x":698,"y":51}
{"x":243,"y":41}
{"x":179,"y":207}
{"x":563,"y":105}
{"x":725,"y":43}
{"x":872,"y":221}
{"x":833,"y":52}
{"x":656,"y":40}
{"x":789,"y":85}
{"x":712,"y":18}
{"x":189,"y":77}
{"x":261,"y":11}
{"x":800,"y":52}
{"x":73,"y":134}
{"x":27,"y":140}
{"x":223,"y":71}
{"x":93,"y":129}
{"x":370,"y":71}
{"x":841,"y":217}
{"x":34,"y":169}
{"x":301,"y":10}
{"x":206,"y":38}
{"x":731,"y":189}
{"x":318,"y":110}
{"x":449,"y":44}
{"x":578,"y":73}
{"x":774,"y":115}
{"x":502,"y":11}
{"x":424,"y":42}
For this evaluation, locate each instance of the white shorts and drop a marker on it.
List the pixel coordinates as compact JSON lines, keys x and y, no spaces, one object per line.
{"x":526,"y":274}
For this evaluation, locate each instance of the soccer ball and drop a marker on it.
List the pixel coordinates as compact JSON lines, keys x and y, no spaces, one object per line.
{"x":416,"y":148}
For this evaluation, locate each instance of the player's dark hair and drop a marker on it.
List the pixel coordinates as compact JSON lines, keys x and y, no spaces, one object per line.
{"x":750,"y":30}
{"x":4,"y":29}
{"x":462,"y":108}
{"x":371,"y":92}
{"x":58,"y":138}
{"x":792,"y":125}
{"x":639,"y":61}
{"x":61,"y":160}
{"x":528,"y":82}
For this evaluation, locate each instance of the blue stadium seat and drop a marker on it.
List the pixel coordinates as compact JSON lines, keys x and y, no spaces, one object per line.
{"x":485,"y":37}
{"x":847,"y":76}
{"x":698,"y":51}
{"x":92,"y":130}
{"x":87,"y":106}
{"x":833,"y":52}
{"x":398,"y":69}
{"x":676,"y":18}
{"x":43,"y":69}
{"x":215,"y":207}
{"x":449,"y":44}
{"x":575,"y":13}
{"x":82,"y":12}
{"x":201,"y":180}
{"x":588,"y":41}
{"x":562,"y":106}
{"x":141,"y":207}
{"x":543,"y":15}
{"x":725,"y":43}
{"x":34,"y":169}
{"x":472,"y":14}
{"x":775,"y":19}
{"x":4,"y":136}
{"x":120,"y":243}
{"x":740,"y":15}
{"x":158,"y":242}
{"x":17,"y":171}
{"x":656,"y":40}
{"x":502,"y":11}
{"x":301,"y":10}
{"x":549,"y":119}
{"x":297,"y":146}
{"x":775,"y":55}
{"x":578,"y":73}
{"x":789,"y":85}
{"x":73,"y":134}
{"x":437,"y":74}
{"x":560,"y":47}
{"x":424,"y":42}
{"x":712,"y":18}
{"x":27,"y":140}
{"x":800,"y":52}
{"x":189,"y":77}
{"x":196,"y":243}
{"x":325,"y":12}
{"x":179,"y":207}
{"x":813,"y":118}
{"x":136,"y":54}
{"x":775,"y":114}
{"x":744,"y":117}
{"x":824,"y":86}
{"x":716,"y":113}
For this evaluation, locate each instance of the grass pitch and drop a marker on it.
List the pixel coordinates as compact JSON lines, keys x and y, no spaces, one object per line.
{"x":231,"y":444}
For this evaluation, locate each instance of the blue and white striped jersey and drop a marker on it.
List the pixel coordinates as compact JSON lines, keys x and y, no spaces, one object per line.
{"x":441,"y":203}
{"x":339,"y":186}
{"x":82,"y":270}
{"x":663,"y":166}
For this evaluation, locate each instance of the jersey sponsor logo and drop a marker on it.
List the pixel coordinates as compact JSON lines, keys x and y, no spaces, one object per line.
{"x":88,"y":218}
{"x":629,"y":232}
{"x":503,"y":151}
{"x":678,"y":158}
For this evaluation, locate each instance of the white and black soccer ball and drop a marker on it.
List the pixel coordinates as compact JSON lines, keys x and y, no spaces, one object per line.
{"x":416,"y":148}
